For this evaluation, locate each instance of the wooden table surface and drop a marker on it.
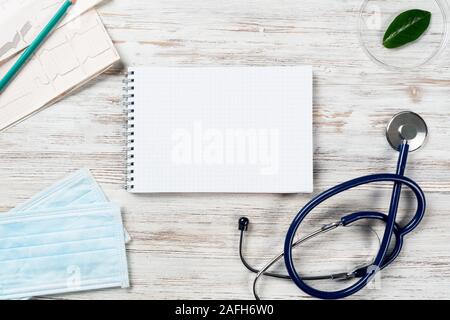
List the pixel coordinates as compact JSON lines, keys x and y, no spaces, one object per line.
{"x":185,"y":246}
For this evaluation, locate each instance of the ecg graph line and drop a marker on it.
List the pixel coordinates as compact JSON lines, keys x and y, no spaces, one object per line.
{"x":16,"y":40}
{"x":86,"y":40}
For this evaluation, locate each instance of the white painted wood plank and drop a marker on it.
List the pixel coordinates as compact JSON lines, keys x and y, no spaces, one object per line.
{"x":185,"y":246}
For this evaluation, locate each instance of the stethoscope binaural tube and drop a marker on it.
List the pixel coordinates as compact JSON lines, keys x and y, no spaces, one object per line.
{"x":383,"y":258}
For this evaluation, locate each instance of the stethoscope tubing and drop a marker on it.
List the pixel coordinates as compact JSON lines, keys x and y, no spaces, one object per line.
{"x":344,"y":222}
{"x":383,"y":258}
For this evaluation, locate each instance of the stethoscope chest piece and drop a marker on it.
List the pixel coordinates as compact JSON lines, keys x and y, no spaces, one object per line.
{"x":407,"y":126}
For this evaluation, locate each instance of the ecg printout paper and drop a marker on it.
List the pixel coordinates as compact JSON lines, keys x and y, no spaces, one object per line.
{"x":22,"y":20}
{"x":74,"y":54}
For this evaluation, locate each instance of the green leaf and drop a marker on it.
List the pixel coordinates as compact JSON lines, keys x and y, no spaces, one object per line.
{"x":407,"y":27}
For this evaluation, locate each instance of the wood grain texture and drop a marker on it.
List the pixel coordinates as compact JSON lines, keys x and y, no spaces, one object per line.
{"x":185,"y":246}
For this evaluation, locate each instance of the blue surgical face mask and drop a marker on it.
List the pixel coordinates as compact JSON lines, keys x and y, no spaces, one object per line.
{"x":79,"y":188}
{"x":62,"y":250}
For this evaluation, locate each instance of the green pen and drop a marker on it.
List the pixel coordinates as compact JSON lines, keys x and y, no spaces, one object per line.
{"x":35,"y":44}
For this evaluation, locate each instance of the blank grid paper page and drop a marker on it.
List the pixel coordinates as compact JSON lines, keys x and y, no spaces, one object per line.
{"x":240,"y":130}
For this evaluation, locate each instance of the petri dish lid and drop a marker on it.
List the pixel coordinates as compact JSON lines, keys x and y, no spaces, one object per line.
{"x":376,"y":16}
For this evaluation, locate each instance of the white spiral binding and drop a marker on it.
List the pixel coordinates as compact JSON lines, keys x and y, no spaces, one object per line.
{"x":128,"y":103}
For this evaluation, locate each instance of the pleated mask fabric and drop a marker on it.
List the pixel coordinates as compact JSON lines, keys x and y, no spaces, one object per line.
{"x":79,"y":188}
{"x":54,"y":251}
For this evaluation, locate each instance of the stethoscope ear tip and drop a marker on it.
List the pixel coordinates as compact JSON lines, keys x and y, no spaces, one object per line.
{"x":243,"y":223}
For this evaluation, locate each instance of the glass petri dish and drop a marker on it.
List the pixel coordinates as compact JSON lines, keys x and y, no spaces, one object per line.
{"x":376,"y":16}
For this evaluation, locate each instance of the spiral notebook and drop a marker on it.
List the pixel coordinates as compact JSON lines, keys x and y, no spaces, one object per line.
{"x":228,"y":130}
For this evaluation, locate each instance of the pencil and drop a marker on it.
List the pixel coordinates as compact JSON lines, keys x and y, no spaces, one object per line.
{"x":26,"y":55}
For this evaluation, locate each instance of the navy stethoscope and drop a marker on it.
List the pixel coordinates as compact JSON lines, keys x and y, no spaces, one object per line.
{"x":406,"y":132}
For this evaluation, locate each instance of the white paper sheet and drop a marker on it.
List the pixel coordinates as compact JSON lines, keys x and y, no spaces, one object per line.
{"x":243,"y":130}
{"x":22,"y":20}
{"x":73,"y":54}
